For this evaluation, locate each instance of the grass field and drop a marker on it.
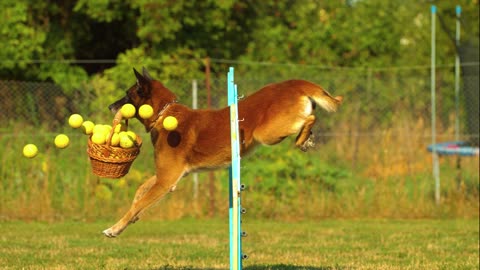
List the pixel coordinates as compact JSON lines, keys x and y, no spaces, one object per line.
{"x":203,"y":244}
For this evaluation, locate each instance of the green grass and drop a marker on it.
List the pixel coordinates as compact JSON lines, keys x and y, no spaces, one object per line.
{"x":203,"y":244}
{"x":282,"y":182}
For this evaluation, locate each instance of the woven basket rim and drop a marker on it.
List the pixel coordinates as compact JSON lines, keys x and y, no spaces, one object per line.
{"x":123,"y":155}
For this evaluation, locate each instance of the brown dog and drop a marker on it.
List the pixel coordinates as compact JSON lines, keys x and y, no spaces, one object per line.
{"x":202,"y":138}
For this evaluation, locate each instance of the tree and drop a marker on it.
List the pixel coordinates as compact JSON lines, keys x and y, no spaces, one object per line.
{"x":43,"y":37}
{"x":173,"y":37}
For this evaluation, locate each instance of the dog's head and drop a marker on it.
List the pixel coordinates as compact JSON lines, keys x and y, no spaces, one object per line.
{"x":138,"y":94}
{"x":145,"y":91}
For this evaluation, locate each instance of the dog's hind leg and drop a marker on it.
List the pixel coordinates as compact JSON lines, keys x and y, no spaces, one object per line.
{"x":147,"y":194}
{"x":303,"y":140}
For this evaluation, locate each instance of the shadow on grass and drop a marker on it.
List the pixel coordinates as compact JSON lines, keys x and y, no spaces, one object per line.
{"x":262,"y":267}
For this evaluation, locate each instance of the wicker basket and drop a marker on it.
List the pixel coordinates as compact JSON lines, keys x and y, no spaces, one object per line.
{"x":109,"y":161}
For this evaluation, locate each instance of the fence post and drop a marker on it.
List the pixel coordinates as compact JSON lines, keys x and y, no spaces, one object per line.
{"x":195,"y":106}
{"x":436,"y":169}
{"x":457,"y":74}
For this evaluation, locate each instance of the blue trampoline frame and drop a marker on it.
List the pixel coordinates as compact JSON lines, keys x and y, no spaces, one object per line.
{"x":454,"y":148}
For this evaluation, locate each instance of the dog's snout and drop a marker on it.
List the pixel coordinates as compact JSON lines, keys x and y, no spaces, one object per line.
{"x":114,"y":107}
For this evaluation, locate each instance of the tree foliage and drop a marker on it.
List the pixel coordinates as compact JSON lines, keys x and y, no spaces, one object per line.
{"x":40,"y":38}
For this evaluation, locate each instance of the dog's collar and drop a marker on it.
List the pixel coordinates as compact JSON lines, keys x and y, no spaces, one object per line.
{"x":159,"y":115}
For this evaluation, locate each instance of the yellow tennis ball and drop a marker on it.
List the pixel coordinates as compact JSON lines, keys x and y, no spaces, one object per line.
{"x":87,"y":127}
{"x":115,"y":139}
{"x":108,"y":128}
{"x":126,"y":141}
{"x":75,"y":120}
{"x":145,"y":111}
{"x":170,"y":123}
{"x":118,"y":128}
{"x":99,"y":128}
{"x":132,"y":135}
{"x":30,"y":150}
{"x":128,"y":111}
{"x":99,"y":138}
{"x":61,"y":141}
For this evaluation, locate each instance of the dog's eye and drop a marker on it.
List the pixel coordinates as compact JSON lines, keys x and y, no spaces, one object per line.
{"x":128,"y":94}
{"x":140,"y":91}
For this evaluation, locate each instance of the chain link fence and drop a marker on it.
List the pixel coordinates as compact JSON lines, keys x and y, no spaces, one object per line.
{"x":34,"y":103}
{"x":375,"y":98}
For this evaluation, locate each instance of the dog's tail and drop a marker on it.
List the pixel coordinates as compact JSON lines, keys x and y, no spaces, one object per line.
{"x":324,"y":99}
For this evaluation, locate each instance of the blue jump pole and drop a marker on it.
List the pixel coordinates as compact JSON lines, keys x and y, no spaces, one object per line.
{"x":234,"y":183}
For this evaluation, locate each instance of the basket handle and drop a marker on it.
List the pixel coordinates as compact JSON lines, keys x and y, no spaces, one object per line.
{"x":116,"y":120}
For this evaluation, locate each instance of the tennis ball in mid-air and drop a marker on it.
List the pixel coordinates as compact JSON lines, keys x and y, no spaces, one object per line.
{"x":128,"y":111}
{"x":145,"y":111}
{"x":30,"y":150}
{"x":170,"y":123}
{"x":61,"y":141}
{"x":87,"y":127}
{"x":75,"y":120}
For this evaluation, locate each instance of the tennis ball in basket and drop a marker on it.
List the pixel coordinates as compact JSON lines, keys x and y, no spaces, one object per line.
{"x":126,"y":141}
{"x":107,"y":127}
{"x":87,"y":127}
{"x":99,"y":137}
{"x":30,"y":150}
{"x":99,"y":128}
{"x":115,"y":139}
{"x":75,"y":120}
{"x":132,"y":135}
{"x":61,"y":141}
{"x":128,"y":133}
{"x":119,"y":127}
{"x":128,"y":111}
{"x":170,"y":123}
{"x":145,"y":111}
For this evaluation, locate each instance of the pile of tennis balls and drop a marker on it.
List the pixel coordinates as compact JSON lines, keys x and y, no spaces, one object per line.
{"x":100,"y":133}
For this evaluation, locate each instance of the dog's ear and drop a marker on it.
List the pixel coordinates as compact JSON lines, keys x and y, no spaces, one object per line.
{"x":141,"y":80}
{"x":146,"y":74}
{"x":143,"y":84}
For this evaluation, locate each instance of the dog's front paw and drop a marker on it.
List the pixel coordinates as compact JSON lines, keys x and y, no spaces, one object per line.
{"x":110,"y":233}
{"x":309,"y":143}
